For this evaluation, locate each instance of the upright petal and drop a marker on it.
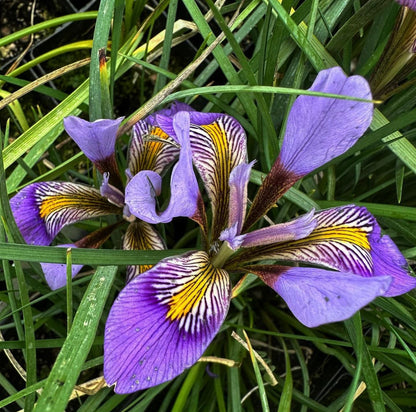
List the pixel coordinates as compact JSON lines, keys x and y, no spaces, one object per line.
{"x":318,"y":296}
{"x":141,"y":236}
{"x":348,"y":239}
{"x":97,"y":140}
{"x":318,"y":130}
{"x":142,"y":190}
{"x":42,"y":209}
{"x":239,"y":177}
{"x":163,"y":320}
{"x":218,"y":147}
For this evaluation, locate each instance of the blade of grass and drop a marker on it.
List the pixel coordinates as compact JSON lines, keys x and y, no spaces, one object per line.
{"x":71,"y":358}
{"x":186,"y":387}
{"x":51,"y":254}
{"x":259,"y":378}
{"x":285,"y":401}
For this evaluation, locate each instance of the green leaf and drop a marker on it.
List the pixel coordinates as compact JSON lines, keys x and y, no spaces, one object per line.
{"x":71,"y":358}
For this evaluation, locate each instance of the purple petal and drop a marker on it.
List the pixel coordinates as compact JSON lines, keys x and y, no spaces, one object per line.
{"x":231,"y":236}
{"x":114,"y":195}
{"x":319,"y":128}
{"x":163,"y":118}
{"x":318,"y":296}
{"x":55,"y":273}
{"x":348,"y":239}
{"x":408,"y":3}
{"x":283,"y":232}
{"x":150,"y":148}
{"x":42,"y":209}
{"x":167,"y":114}
{"x":146,"y":185}
{"x":388,"y":260}
{"x":217,"y":149}
{"x":96,"y":139}
{"x":163,"y":320}
{"x":141,"y":236}
{"x":239,"y":177}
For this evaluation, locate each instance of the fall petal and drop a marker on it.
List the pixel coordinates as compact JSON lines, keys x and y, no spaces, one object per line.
{"x":348,"y":239}
{"x":163,"y":320}
{"x":141,"y":236}
{"x":55,"y":273}
{"x":318,"y":296}
{"x":42,"y":209}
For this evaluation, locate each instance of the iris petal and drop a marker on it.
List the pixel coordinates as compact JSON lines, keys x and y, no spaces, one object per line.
{"x":163,"y":320}
{"x":96,"y":139}
{"x":348,"y":239}
{"x":296,"y":229}
{"x":318,"y":296}
{"x":150,"y":149}
{"x":318,"y":130}
{"x":239,"y":177}
{"x":217,"y":149}
{"x":141,"y":236}
{"x":55,"y":273}
{"x":142,"y":190}
{"x":42,"y":209}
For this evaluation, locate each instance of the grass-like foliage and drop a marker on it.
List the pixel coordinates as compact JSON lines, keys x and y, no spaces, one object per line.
{"x":249,"y":59}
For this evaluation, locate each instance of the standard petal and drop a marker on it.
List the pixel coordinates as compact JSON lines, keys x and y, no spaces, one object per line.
{"x":217,"y":149}
{"x":348,"y":239}
{"x":142,"y":190}
{"x":318,"y":296}
{"x":97,"y":140}
{"x":163,"y":320}
{"x":42,"y":209}
{"x":141,"y":236}
{"x":318,"y":130}
{"x":55,"y":273}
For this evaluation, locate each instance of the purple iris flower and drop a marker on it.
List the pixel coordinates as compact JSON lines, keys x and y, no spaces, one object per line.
{"x":42,"y":209}
{"x":164,"y":319}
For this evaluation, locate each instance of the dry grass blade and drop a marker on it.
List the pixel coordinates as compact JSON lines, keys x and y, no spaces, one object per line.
{"x":42,"y":80}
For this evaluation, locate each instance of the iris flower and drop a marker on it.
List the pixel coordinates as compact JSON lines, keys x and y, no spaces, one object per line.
{"x":164,"y":319}
{"x":42,"y":209}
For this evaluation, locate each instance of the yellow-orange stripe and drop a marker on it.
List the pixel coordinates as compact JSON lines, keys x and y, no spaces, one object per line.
{"x":192,"y":293}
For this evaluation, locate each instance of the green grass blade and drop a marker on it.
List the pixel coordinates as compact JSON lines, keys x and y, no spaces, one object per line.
{"x":101,"y":34}
{"x":73,"y":354}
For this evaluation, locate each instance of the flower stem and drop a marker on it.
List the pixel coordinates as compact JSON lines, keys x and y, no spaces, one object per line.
{"x":223,"y":254}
